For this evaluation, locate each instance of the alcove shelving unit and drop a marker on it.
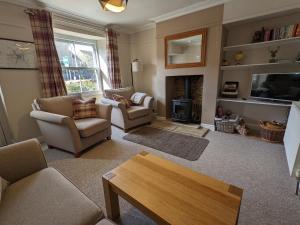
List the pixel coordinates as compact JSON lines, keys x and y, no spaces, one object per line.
{"x":238,"y":37}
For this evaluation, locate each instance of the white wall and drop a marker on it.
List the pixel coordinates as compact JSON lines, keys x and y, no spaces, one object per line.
{"x":236,"y":10}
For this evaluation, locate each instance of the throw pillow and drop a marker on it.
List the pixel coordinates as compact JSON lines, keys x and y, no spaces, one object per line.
{"x":3,"y":186}
{"x":120,"y":98}
{"x":84,"y":108}
{"x":138,"y":98}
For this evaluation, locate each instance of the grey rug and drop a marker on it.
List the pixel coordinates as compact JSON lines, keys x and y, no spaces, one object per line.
{"x":176,"y":144}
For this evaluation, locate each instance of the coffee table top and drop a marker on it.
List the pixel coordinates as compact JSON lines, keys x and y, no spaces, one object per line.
{"x":171,"y":194}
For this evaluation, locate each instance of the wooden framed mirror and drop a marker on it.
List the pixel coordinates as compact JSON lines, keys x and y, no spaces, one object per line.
{"x":186,"y":49}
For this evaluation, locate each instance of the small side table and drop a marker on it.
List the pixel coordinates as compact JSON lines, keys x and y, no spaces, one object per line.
{"x":297,"y":175}
{"x":298,"y":185}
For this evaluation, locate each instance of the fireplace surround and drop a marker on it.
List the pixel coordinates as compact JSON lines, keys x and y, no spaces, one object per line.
{"x":184,"y":94}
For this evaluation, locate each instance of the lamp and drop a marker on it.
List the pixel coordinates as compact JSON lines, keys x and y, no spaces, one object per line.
{"x":136,"y":66}
{"x":116,"y":6}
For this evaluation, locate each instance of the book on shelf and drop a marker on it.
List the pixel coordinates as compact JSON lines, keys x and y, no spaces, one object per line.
{"x":290,"y":29}
{"x":282,"y":32}
{"x":297,"y":31}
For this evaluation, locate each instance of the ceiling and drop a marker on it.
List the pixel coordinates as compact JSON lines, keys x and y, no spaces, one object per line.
{"x":139,"y":13}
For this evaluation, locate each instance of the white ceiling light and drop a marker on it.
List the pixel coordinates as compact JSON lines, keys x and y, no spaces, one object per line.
{"x":116,"y":6}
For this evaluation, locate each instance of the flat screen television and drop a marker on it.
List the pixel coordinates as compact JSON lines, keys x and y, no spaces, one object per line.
{"x":276,"y":86}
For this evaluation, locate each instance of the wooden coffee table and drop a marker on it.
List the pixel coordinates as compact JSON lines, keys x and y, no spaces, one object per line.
{"x":171,"y":194}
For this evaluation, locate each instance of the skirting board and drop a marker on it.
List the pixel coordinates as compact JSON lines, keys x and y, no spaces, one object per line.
{"x":208,"y":126}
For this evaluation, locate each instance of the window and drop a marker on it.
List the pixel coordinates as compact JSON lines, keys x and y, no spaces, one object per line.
{"x":79,"y":62}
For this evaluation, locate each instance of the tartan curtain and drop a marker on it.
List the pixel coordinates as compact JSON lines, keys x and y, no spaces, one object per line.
{"x":51,"y":73}
{"x":113,"y":58}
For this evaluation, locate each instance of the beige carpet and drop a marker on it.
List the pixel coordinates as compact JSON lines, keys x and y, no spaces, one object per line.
{"x":258,"y":167}
{"x":186,"y":129}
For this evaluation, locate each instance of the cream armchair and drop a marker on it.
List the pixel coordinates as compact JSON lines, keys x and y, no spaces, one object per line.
{"x":127,"y":118}
{"x":39,"y":195}
{"x":55,"y":119}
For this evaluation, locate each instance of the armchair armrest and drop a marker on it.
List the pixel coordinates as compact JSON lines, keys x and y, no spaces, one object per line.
{"x":111,"y":102}
{"x":104,"y":111}
{"x":148,"y":102}
{"x":21,"y":159}
{"x":50,"y":117}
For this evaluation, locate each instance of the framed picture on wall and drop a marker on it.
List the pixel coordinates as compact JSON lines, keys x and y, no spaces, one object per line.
{"x":16,"y":54}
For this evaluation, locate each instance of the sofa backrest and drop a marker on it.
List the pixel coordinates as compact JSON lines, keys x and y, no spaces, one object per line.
{"x":125,"y":92}
{"x":61,"y":105}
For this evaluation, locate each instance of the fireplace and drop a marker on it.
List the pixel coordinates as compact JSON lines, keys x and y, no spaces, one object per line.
{"x":182,"y":107}
{"x":185,"y":94}
{"x":182,"y":110}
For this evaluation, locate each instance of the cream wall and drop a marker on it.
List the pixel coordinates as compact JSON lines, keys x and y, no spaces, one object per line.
{"x":236,"y":10}
{"x":148,"y":46}
{"x":212,"y":19}
{"x":143,"y":47}
{"x":19,"y":87}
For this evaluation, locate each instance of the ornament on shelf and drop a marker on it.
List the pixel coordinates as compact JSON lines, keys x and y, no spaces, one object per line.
{"x":273,"y":56}
{"x":259,"y":35}
{"x":225,"y":62}
{"x":238,"y":57}
{"x":298,"y":57}
{"x":220,"y":111}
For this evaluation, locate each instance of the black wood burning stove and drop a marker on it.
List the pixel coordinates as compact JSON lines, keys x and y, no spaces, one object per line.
{"x":182,"y":108}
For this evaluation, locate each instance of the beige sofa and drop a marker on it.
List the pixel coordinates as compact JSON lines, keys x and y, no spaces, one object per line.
{"x":127,"y":118}
{"x":55,"y":119}
{"x":40,"y":195}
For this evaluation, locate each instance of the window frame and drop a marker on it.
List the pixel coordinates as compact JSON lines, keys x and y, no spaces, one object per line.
{"x":75,"y":40}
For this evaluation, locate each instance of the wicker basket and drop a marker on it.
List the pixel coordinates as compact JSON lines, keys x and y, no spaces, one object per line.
{"x":272,"y":131}
{"x":227,"y":125}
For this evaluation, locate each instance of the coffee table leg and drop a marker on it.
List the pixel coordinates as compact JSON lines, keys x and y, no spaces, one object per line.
{"x":111,"y":198}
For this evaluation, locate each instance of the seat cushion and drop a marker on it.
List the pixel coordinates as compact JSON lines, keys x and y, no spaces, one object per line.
{"x":135,"y":112}
{"x":90,"y":126}
{"x":47,"y":198}
{"x":62,"y":105}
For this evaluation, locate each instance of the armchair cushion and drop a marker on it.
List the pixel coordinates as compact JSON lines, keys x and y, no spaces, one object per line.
{"x":125,"y":92}
{"x":138,"y":98}
{"x":84,"y":108}
{"x":135,"y":112}
{"x":61,"y":105}
{"x":47,"y":198}
{"x":120,"y":98}
{"x":90,"y":126}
